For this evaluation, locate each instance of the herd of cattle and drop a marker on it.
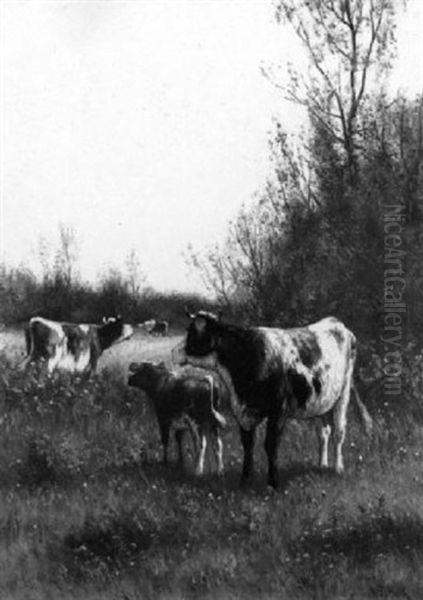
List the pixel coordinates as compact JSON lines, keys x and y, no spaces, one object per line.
{"x":265,"y":373}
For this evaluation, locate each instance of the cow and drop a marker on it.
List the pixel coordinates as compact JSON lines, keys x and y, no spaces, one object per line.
{"x":72,"y":347}
{"x":279,"y":374}
{"x":148,"y":326}
{"x":160,"y":328}
{"x":182,"y":402}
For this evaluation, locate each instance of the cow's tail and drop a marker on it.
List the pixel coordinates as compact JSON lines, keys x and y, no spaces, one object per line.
{"x":362,"y":412}
{"x":221,"y":421}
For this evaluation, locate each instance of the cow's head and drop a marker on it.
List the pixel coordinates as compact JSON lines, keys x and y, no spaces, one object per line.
{"x":145,"y":375}
{"x":200,"y":342}
{"x":114,"y":330}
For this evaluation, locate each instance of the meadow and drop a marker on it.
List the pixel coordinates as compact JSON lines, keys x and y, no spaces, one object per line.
{"x":87,"y":511}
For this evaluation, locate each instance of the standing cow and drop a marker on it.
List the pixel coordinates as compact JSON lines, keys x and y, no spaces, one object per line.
{"x":279,"y":374}
{"x":72,"y":347}
{"x":182,"y":402}
{"x":161,"y":328}
{"x":147,"y":326}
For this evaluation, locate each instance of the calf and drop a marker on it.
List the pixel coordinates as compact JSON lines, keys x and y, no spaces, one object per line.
{"x":183,"y":402}
{"x":279,"y":374}
{"x":72,"y":347}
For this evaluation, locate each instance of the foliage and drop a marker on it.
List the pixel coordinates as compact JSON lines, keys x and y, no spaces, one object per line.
{"x":23,"y":296}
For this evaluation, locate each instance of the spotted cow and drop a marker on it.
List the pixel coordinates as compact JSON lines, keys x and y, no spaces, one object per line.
{"x":147,"y":326}
{"x":72,"y":347}
{"x":183,"y":402}
{"x":278,"y":374}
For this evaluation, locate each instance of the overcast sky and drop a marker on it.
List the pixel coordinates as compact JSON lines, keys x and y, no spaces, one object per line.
{"x":144,"y":124}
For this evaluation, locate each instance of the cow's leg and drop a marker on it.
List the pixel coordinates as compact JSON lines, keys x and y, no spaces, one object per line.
{"x":199,"y":470}
{"x":218,"y":451}
{"x":324,"y":432}
{"x":179,"y":437}
{"x":92,"y":364}
{"x":247,"y":439}
{"x":271,"y":445}
{"x":340,"y":424}
{"x":52,"y":359}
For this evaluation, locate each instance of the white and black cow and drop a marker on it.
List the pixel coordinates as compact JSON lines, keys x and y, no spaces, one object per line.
{"x":161,"y":328}
{"x":72,"y":347}
{"x":183,"y":402}
{"x":279,"y":374}
{"x":147,"y":326}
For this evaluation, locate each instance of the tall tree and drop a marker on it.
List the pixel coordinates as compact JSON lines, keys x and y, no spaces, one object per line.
{"x":134,"y":273}
{"x":67,"y":255}
{"x":350,"y":44}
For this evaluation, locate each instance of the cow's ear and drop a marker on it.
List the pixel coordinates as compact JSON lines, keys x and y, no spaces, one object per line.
{"x":188,"y":314}
{"x":104,"y":320}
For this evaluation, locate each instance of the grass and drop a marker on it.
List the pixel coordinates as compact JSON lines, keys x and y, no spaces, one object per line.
{"x":87,"y":510}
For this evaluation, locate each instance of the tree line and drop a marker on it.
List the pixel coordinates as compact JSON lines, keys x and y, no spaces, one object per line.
{"x":59,"y":293}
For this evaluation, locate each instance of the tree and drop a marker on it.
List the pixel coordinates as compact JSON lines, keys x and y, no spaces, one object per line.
{"x":348,"y":42}
{"x":67,"y":255}
{"x":43,"y":252}
{"x":135,"y":277}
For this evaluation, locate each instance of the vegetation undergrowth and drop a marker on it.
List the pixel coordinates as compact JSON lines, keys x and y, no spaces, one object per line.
{"x":88,"y":510}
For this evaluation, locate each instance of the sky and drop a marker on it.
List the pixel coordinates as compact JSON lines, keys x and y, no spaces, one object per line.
{"x":143,"y":124}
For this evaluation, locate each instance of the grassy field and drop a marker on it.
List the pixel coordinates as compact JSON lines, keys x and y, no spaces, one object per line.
{"x":88,"y":512}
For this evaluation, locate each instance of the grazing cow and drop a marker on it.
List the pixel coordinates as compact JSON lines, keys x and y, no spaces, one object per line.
{"x":183,"y":402}
{"x":72,"y":347}
{"x":160,"y":328}
{"x":279,"y":374}
{"x":148,"y":326}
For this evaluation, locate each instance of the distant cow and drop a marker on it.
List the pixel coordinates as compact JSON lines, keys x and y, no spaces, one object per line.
{"x":160,"y":328}
{"x":72,"y":347}
{"x":182,"y":402}
{"x":279,"y":374}
{"x":148,"y":326}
